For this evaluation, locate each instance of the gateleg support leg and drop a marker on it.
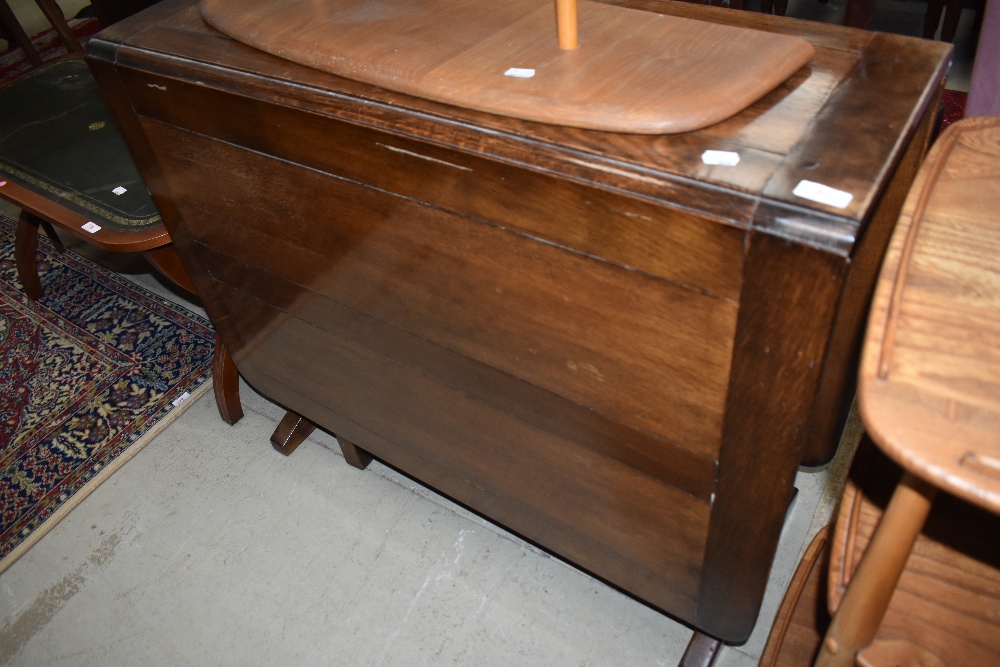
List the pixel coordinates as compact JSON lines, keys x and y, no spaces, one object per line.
{"x":290,"y":433}
{"x":353,"y":454}
{"x":701,"y":651}
{"x":866,"y":600}
{"x":226,"y":384}
{"x":51,"y":233}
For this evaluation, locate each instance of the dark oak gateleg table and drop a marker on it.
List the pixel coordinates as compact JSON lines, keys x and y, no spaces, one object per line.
{"x":597,"y":340}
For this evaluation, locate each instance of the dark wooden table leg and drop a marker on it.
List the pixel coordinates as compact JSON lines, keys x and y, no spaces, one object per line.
{"x":290,"y":433}
{"x":701,"y":651}
{"x":952,"y":14}
{"x":226,"y":384}
{"x":354,"y":455}
{"x":51,"y":233}
{"x":859,"y":13}
{"x":25,"y":249}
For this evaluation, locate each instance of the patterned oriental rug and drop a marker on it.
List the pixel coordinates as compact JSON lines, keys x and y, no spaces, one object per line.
{"x":89,"y":375}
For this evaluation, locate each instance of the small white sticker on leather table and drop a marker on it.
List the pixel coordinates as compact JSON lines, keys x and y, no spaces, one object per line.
{"x":721,"y":158}
{"x":823,"y":194}
{"x":119,"y":190}
{"x":91,"y":227}
{"x":520,"y":73}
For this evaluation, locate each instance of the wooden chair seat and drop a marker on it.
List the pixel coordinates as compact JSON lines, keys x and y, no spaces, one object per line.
{"x":929,"y":387}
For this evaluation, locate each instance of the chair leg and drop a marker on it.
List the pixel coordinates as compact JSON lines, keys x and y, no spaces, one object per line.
{"x":932,"y":18}
{"x":863,"y":606}
{"x":55,"y":16}
{"x":25,"y":249}
{"x":10,"y":22}
{"x":952,"y":15}
{"x":859,"y":13}
{"x":226,"y":384}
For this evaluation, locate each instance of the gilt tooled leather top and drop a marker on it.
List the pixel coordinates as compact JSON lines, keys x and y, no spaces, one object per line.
{"x":57,"y":139}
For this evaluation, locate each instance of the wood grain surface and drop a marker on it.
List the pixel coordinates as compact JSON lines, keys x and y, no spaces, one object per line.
{"x":593,"y":338}
{"x":930,"y":376}
{"x":630,"y":72}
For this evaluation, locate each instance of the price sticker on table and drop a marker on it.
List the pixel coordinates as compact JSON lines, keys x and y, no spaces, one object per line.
{"x":823,"y":194}
{"x":721,"y":158}
{"x":520,"y":73}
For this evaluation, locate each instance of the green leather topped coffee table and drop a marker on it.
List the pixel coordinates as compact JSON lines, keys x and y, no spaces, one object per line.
{"x":58,"y":140}
{"x":64,"y":163}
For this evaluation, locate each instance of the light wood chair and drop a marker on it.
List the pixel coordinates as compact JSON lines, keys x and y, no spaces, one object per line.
{"x":929,"y":389}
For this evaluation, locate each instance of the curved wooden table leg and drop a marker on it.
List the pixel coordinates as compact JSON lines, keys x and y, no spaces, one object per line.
{"x":51,"y":233}
{"x":290,"y":433}
{"x":166,"y":260}
{"x":354,"y":455}
{"x":226,"y":384}
{"x":25,"y":248}
{"x":871,"y":587}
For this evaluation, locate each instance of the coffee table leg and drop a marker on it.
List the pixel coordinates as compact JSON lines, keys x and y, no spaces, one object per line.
{"x":25,"y":248}
{"x":226,"y":384}
{"x":51,"y":233}
{"x":701,"y":651}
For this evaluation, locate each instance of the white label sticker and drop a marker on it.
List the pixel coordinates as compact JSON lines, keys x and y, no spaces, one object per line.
{"x":520,"y":73}
{"x":119,"y":190}
{"x":824,"y":194}
{"x":91,"y":227}
{"x":180,"y":399}
{"x":721,"y":158}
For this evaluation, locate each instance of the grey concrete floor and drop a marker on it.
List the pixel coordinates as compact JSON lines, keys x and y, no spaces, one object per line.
{"x":210,"y":548}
